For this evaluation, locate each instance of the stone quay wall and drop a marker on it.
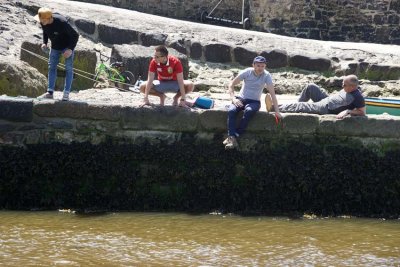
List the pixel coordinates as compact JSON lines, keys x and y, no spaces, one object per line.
{"x":374,"y":21}
{"x":83,"y":156}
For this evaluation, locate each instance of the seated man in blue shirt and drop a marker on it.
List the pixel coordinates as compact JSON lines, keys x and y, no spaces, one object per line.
{"x":254,"y":80}
{"x":348,"y":101}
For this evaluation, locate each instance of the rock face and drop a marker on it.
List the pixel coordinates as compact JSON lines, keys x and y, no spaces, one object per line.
{"x":19,"y":78}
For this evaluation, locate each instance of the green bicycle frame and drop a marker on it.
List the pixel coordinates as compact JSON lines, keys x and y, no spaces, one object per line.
{"x":112,"y":74}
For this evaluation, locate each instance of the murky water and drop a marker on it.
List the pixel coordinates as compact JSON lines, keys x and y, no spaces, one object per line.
{"x":165,"y":239}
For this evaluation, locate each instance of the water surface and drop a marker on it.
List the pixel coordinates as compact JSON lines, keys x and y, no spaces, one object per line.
{"x":168,"y":239}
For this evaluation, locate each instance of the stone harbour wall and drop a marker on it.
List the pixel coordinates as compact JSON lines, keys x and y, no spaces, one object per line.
{"x":86,"y":156}
{"x":342,"y":20}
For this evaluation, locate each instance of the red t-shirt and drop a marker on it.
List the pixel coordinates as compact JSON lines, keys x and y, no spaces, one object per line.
{"x":168,"y":71}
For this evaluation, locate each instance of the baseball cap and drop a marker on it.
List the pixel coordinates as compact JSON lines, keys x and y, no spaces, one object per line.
{"x":259,"y":59}
{"x":43,"y":13}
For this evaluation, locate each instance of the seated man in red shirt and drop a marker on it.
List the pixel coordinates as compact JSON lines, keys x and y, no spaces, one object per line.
{"x":170,"y":78}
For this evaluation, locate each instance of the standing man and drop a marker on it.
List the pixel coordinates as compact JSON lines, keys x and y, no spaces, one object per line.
{"x":254,"y":80}
{"x":170,"y":78}
{"x":347,"y":102}
{"x":63,"y":42}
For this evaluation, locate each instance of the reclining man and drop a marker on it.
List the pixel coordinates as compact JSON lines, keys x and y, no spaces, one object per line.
{"x":348,"y":101}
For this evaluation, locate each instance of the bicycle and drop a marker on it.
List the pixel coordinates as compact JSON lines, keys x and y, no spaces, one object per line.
{"x":114,"y":73}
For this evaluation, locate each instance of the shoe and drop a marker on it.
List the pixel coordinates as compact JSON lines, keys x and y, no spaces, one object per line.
{"x":227,"y":139}
{"x":231,"y":143}
{"x":46,"y":96}
{"x":65,"y":96}
{"x":268,"y":103}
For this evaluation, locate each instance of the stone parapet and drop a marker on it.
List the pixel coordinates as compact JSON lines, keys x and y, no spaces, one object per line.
{"x":21,"y":116}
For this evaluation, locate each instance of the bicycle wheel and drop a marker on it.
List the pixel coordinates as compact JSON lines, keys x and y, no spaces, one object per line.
{"x":128,"y":80}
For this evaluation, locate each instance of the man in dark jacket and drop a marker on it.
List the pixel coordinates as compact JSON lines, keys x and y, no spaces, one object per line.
{"x":63,"y":42}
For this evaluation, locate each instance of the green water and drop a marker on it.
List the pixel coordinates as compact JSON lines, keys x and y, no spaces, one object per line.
{"x":165,"y":239}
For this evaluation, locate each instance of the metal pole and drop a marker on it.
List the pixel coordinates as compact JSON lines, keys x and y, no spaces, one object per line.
{"x":215,"y":7}
{"x":242,"y":11}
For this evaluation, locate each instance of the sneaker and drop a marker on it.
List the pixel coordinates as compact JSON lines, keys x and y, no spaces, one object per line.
{"x":227,"y":139}
{"x":46,"y":96}
{"x":268,"y":103}
{"x":231,"y":143}
{"x":65,"y":97}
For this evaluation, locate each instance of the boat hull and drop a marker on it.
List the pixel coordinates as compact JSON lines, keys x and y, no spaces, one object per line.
{"x":377,"y":105}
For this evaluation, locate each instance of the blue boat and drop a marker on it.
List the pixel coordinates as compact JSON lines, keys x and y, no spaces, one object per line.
{"x":376,"y":105}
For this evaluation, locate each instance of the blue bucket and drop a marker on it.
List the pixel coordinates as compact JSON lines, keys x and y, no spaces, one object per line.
{"x":204,"y":102}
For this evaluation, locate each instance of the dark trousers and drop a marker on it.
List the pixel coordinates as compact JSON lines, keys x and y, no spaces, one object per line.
{"x":250,"y":108}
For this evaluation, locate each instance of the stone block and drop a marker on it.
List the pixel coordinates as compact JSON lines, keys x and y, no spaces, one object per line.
{"x":213,"y":121}
{"x":113,"y":35}
{"x":152,"y":39}
{"x":86,"y":126}
{"x":60,"y":109}
{"x":14,"y":109}
{"x":307,"y":24}
{"x":196,"y":50}
{"x":299,"y":123}
{"x":351,"y":68}
{"x":6,"y":127}
{"x":371,"y":126}
{"x":165,"y":118}
{"x":220,"y":53}
{"x":377,"y":72}
{"x":178,"y":46}
{"x":77,"y":110}
{"x":86,"y":26}
{"x":276,"y":58}
{"x":310,"y":63}
{"x":262,"y":122}
{"x":244,"y":56}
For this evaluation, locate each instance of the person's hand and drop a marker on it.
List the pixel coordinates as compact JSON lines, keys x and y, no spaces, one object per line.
{"x":44,"y":48}
{"x":146,"y":102}
{"x":67,"y":53}
{"x":343,"y":114}
{"x":237,"y":102}
{"x":183,"y":104}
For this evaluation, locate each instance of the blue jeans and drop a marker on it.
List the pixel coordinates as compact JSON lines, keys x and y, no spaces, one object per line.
{"x":250,"y":108}
{"x":69,"y":73}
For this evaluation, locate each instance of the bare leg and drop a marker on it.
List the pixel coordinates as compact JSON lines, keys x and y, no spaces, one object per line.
{"x":162,"y":96}
{"x":189,"y":86}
